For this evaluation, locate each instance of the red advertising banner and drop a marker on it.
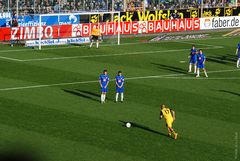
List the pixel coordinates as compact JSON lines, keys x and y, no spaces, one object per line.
{"x":107,"y":28}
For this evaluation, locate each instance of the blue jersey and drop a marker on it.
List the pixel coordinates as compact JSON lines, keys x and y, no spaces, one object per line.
{"x":119,"y":80}
{"x":193,"y":53}
{"x":193,"y":56}
{"x":104,"y":79}
{"x":200,"y":58}
{"x":238,"y":46}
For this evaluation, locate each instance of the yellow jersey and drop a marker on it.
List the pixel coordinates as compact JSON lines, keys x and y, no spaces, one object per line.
{"x":95,"y":32}
{"x":166,"y":113}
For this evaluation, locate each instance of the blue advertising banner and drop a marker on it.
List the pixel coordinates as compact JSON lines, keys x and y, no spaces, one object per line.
{"x":5,"y":19}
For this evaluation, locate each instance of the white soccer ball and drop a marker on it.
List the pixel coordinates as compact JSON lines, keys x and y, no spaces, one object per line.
{"x":128,"y":125}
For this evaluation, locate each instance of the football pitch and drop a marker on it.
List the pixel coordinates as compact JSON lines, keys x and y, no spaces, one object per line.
{"x":50,"y":101}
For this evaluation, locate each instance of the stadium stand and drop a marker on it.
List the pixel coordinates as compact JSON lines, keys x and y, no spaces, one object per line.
{"x":26,"y":7}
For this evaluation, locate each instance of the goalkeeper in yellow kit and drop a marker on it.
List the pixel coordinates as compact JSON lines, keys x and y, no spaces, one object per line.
{"x":95,"y":35}
{"x":169,"y":116}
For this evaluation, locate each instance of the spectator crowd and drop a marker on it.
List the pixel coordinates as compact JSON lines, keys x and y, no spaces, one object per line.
{"x":26,"y":7}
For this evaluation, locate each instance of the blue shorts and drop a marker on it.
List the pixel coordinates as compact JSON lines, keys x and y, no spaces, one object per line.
{"x":105,"y":90}
{"x":193,"y":60}
{"x":200,"y":66}
{"x":119,"y":90}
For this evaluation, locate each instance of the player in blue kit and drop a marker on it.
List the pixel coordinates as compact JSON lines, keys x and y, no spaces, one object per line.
{"x":201,"y":63}
{"x":238,"y":54}
{"x":119,"y":85}
{"x":193,"y":59}
{"x":103,"y":81}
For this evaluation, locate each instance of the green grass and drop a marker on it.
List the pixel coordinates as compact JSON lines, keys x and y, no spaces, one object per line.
{"x":67,"y":122}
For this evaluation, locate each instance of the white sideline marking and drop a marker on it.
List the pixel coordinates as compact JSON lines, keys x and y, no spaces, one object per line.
{"x":185,"y":42}
{"x":204,"y":78}
{"x":102,"y":55}
{"x":182,"y":61}
{"x":108,"y":55}
{"x":172,"y":76}
{"x":134,"y":43}
{"x":7,"y":58}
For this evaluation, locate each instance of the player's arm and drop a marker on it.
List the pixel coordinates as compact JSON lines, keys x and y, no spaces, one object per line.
{"x":100,"y":82}
{"x":122,"y":84}
{"x":117,"y":84}
{"x":189,"y":56}
{"x":173,"y":114}
{"x":161,"y":115}
{"x":107,"y":83}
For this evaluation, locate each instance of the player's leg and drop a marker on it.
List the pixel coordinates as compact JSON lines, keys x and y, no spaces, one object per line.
{"x":97,"y":43}
{"x":195,"y":68}
{"x":105,"y":93}
{"x":92,"y":40}
{"x":198,"y":72}
{"x":169,"y":132}
{"x":122,"y":96}
{"x":102,"y":97}
{"x":205,"y":72}
{"x":170,"y":129}
{"x":238,"y":62}
{"x":190,"y":67}
{"x":117,"y":93}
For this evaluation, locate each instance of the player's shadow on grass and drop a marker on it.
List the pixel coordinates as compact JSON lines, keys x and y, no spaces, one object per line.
{"x":18,"y":155}
{"x":170,"y":68}
{"x":229,"y":92}
{"x":136,"y":125}
{"x":84,"y":94}
{"x":89,"y":93}
{"x":221,"y":59}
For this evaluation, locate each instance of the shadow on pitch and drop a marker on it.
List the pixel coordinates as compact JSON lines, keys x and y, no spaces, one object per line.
{"x":19,"y":155}
{"x":229,"y":92}
{"x":222,"y":59}
{"x":89,"y":93}
{"x":86,"y":95}
{"x":136,"y":125}
{"x":170,"y":68}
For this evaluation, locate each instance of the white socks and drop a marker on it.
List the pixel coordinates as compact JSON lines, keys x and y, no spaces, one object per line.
{"x":238,"y":61}
{"x":205,"y":72}
{"x":116,"y":97}
{"x":97,"y":43}
{"x":122,"y":96}
{"x":195,"y":68}
{"x":198,"y":73}
{"x":91,"y":44}
{"x":103,"y":98}
{"x":190,"y":68}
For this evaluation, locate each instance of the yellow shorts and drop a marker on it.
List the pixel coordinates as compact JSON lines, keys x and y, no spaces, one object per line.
{"x":169,"y":123}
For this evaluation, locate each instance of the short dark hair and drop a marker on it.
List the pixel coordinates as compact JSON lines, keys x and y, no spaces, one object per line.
{"x":105,"y":70}
{"x":119,"y":71}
